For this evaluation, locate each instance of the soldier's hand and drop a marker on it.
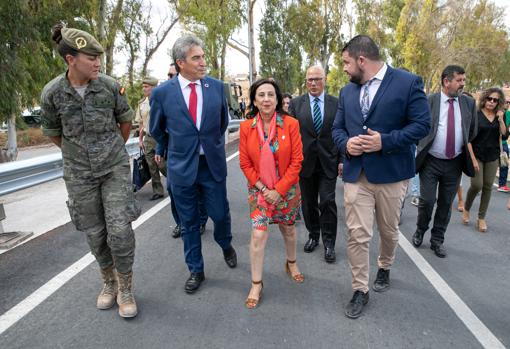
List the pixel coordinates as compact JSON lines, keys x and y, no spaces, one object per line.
{"x":140,"y":144}
{"x":157,"y":158}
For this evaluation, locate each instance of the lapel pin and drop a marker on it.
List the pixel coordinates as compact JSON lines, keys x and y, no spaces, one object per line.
{"x":206,"y":85}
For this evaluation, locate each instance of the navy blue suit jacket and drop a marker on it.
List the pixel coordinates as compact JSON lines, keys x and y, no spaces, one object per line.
{"x":171,"y":125}
{"x":399,"y":112}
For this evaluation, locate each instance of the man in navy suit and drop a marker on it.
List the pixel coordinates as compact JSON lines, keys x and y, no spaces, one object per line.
{"x":382,"y":113}
{"x":193,"y":111}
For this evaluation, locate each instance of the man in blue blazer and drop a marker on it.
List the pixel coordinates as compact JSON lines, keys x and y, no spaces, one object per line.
{"x":193,"y":111}
{"x":382,"y":113}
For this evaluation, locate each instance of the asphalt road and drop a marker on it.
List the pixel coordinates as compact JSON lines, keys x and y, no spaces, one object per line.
{"x":412,"y":314}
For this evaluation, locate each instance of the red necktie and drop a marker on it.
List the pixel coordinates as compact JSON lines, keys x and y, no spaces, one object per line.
{"x":450,"y":131}
{"x":192,"y":106}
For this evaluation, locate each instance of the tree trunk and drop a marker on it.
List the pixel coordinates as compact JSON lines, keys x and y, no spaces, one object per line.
{"x":113,"y":25}
{"x":101,"y":30}
{"x":11,"y":153}
{"x":251,"y":43}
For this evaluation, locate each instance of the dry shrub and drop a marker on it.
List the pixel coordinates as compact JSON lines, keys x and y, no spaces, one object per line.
{"x":26,"y":138}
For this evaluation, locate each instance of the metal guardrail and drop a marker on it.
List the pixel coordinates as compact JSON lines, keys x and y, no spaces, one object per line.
{"x":18,"y":175}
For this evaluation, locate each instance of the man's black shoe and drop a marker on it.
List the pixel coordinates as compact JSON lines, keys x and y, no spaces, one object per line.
{"x":177,"y":232}
{"x":193,"y":282}
{"x":202,"y":229}
{"x":382,"y":281}
{"x":418,"y":238}
{"x":230,"y":256}
{"x":439,"y":250}
{"x":310,"y":245}
{"x":355,"y":307}
{"x":329,"y":254}
{"x":156,"y":197}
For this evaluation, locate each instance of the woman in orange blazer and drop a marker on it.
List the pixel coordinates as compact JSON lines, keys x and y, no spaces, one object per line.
{"x":270,"y":155}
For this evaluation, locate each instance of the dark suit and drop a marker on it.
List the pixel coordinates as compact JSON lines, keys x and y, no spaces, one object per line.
{"x":188,"y":171}
{"x":319,"y":171}
{"x":443,"y":175}
{"x":375,"y":182}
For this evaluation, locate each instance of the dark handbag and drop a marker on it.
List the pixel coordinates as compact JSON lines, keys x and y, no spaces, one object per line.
{"x":141,"y":173}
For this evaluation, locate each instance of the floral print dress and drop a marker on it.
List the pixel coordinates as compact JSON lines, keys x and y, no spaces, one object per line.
{"x":288,"y":207}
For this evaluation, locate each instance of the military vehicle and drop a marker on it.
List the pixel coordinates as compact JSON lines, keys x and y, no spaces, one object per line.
{"x":232,"y":93}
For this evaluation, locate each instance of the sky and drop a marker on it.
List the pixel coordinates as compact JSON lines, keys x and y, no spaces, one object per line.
{"x":236,"y":63}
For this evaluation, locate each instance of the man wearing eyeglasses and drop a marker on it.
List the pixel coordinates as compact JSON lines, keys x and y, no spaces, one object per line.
{"x":503,"y":171}
{"x":321,"y":164}
{"x":443,"y":155}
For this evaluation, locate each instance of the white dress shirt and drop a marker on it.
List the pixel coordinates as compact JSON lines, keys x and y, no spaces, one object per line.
{"x":438,"y":147}
{"x":186,"y":91}
{"x":374,"y":86}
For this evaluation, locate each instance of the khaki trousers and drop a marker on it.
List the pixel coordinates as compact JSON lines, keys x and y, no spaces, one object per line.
{"x":362,"y":201}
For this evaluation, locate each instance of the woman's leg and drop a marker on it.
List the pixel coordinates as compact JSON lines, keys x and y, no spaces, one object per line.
{"x":290,"y":239}
{"x":257,"y":247}
{"x":489,"y":174}
{"x":475,"y":187}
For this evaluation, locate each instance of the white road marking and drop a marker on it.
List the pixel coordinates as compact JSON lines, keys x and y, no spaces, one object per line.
{"x":486,"y":338}
{"x":16,"y":313}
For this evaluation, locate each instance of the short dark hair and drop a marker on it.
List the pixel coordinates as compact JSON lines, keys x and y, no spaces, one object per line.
{"x":450,"y":71}
{"x":286,"y":95}
{"x":362,"y":45}
{"x":253,"y":110}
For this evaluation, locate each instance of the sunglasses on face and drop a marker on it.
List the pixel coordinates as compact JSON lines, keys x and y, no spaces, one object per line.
{"x":493,"y":100}
{"x":507,"y":102}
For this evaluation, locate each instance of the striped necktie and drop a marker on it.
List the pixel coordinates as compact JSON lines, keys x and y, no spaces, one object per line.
{"x":365,"y":100}
{"x":317,"y":116}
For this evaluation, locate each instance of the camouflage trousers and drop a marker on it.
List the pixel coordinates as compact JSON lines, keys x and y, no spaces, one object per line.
{"x":103,"y":208}
{"x":150,"y":151}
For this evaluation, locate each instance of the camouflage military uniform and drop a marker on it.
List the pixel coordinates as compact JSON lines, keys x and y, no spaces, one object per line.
{"x":143,"y":115}
{"x":96,"y":165}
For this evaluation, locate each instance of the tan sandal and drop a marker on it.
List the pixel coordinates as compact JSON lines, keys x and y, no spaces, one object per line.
{"x":252,"y":303}
{"x":465,"y":217}
{"x":481,"y":225}
{"x":298,"y":277}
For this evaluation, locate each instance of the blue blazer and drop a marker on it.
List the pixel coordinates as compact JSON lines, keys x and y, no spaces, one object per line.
{"x":171,"y":125}
{"x":399,"y":112}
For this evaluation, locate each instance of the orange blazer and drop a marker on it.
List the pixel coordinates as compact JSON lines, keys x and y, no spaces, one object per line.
{"x":289,"y":153}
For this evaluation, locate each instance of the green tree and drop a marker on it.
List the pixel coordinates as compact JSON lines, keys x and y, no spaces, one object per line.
{"x":317,"y":26}
{"x":280,"y":55}
{"x":214,"y":21}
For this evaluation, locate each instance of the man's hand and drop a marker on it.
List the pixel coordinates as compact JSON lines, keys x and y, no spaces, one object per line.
{"x":354,"y":147}
{"x":158,"y":159}
{"x":140,"y":143}
{"x":340,"y":170}
{"x":371,"y":142}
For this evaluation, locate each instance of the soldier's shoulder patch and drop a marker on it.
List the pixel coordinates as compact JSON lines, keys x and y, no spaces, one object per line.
{"x":122,"y":91}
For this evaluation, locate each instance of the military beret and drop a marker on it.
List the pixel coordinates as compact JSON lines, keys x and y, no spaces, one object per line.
{"x":149,"y":80}
{"x":82,"y":41}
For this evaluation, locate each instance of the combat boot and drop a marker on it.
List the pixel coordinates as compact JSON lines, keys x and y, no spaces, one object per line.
{"x":125,"y":298}
{"x":106,"y":298}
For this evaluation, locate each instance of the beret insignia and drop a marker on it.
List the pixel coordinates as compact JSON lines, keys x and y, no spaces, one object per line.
{"x":80,"y":42}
